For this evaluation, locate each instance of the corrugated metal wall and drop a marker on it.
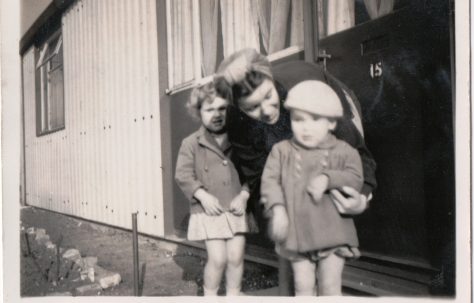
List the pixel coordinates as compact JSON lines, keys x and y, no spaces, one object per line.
{"x":106,"y":163}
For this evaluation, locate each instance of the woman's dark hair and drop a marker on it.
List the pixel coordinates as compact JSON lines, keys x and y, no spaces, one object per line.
{"x":239,"y":90}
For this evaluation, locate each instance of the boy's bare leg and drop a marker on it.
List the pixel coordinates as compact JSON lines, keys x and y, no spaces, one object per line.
{"x":305,"y":277}
{"x":330,"y":275}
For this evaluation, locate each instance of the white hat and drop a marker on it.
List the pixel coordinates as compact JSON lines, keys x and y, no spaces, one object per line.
{"x":314,"y":97}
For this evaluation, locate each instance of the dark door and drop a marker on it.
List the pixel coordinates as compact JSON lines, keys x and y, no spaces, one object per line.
{"x":399,"y":67}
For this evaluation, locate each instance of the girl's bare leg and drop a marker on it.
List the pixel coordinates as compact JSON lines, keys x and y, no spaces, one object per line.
{"x":330,"y":275}
{"x":235,"y":264}
{"x":216,"y":262}
{"x":304,"y":272}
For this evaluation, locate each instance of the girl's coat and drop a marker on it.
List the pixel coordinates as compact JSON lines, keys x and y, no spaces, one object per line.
{"x":202,"y":163}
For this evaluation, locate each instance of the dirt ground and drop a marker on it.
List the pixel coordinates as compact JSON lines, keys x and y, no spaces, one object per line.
{"x":167,"y":269}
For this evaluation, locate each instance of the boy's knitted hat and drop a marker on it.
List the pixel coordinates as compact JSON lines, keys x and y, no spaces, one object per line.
{"x":314,"y":97}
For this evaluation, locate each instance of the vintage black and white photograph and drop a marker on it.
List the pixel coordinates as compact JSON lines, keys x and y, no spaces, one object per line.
{"x":240,"y":148}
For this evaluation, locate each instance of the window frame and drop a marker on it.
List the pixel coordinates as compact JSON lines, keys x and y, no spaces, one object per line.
{"x":42,"y":71}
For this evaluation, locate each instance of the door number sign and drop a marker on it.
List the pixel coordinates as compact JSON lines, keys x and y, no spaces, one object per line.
{"x":375,"y":70}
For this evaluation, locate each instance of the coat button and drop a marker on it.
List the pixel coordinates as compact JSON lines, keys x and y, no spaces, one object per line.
{"x":225,"y":162}
{"x":205,"y":168}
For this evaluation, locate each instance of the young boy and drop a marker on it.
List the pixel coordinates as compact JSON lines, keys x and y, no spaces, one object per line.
{"x":299,"y":172}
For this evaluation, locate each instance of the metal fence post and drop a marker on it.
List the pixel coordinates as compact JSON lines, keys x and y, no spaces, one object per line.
{"x":135,"y":255}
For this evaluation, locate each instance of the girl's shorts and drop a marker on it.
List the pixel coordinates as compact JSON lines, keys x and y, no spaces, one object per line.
{"x":343,"y":251}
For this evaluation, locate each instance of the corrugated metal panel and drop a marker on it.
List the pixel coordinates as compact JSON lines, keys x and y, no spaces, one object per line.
{"x":29,"y":118}
{"x":106,"y":163}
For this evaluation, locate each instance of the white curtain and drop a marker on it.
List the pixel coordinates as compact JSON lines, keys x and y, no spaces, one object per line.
{"x":209,"y":10}
{"x":340,"y":15}
{"x":245,"y":23}
{"x":239,"y":26}
{"x":379,"y":8}
{"x":56,"y":99}
{"x":262,"y":11}
{"x":322,"y":18}
{"x":182,"y":56}
{"x":297,"y":26}
{"x":273,"y":20}
{"x":280,"y":11}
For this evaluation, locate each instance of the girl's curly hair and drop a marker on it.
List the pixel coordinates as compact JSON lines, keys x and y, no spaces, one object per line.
{"x":199,"y":95}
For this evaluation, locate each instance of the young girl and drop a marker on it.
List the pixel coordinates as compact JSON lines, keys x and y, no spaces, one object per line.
{"x":299,"y":172}
{"x":208,"y":178}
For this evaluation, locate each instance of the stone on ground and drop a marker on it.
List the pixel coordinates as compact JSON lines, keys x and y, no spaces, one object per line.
{"x":88,"y":262}
{"x":73,"y":255}
{"x":41,"y":236}
{"x":106,"y":278}
{"x":50,"y":246}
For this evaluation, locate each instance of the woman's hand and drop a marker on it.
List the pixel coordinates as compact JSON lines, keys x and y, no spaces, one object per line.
{"x":238,"y":205}
{"x":317,"y":186}
{"x":209,"y":202}
{"x":352,"y":204}
{"x":278,"y":227}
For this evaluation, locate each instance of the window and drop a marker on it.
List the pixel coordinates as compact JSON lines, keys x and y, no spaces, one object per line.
{"x":202,"y":32}
{"x":50,"y":86}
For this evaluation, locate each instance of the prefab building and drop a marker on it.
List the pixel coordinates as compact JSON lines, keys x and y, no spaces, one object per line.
{"x":92,"y":116}
{"x":104,"y":85}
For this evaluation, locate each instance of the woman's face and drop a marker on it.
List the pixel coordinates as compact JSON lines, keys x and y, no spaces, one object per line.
{"x":263,"y":104}
{"x":213,"y":115}
{"x":308,"y":129}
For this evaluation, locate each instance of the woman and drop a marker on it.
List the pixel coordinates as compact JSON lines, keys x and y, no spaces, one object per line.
{"x":258,"y":120}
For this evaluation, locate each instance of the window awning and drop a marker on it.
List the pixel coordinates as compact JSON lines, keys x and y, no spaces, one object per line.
{"x":46,"y":55}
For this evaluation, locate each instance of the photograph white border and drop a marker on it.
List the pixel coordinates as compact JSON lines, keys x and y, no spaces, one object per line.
{"x":10,"y":164}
